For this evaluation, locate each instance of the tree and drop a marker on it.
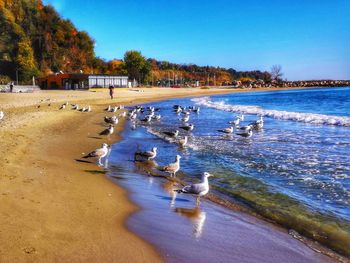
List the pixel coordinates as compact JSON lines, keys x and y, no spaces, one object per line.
{"x":25,"y":60}
{"x":137,"y":66}
{"x":276,"y":72}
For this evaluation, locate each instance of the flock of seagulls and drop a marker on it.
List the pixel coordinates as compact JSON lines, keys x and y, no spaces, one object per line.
{"x":75,"y":107}
{"x":147,"y":115}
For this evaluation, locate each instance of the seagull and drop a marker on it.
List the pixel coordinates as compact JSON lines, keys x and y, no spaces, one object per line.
{"x":75,"y":107}
{"x":63,"y":106}
{"x":111,"y":120}
{"x":245,"y":128}
{"x":199,"y":189}
{"x":147,"y":154}
{"x":258,"y":124}
{"x":183,"y":141}
{"x":172,"y":168}
{"x":187,"y":127}
{"x":88,"y":109}
{"x":236,"y":121}
{"x":122,"y":114}
{"x":186,"y":118}
{"x":108,"y":108}
{"x":227,"y":130}
{"x":172,"y":134}
{"x":2,"y":114}
{"x":108,"y":131}
{"x":157,"y":117}
{"x":197,"y":110}
{"x":133,"y":116}
{"x":246,"y":134}
{"x":99,"y":153}
{"x":148,"y":118}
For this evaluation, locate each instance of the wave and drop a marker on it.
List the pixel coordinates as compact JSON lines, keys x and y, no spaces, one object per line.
{"x":312,"y":118}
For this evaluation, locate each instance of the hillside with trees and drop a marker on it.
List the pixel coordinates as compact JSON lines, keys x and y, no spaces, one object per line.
{"x":36,"y":41}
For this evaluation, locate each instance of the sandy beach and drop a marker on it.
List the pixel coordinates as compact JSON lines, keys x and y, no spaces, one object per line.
{"x":54,"y":208}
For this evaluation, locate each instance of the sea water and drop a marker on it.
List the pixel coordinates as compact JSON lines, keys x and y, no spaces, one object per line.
{"x":295,"y":170}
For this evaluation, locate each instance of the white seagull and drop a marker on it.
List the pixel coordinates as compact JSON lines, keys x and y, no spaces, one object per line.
{"x":186,"y":118}
{"x":172,"y":134}
{"x":199,"y":189}
{"x":99,"y":153}
{"x":111,"y":120}
{"x":188,"y":127}
{"x":183,"y":142}
{"x":148,"y":154}
{"x":227,"y":130}
{"x":172,"y":168}
{"x":108,"y":131}
{"x":2,"y":114}
{"x":248,"y":133}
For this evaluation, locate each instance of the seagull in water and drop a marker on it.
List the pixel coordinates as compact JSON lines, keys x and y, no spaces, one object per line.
{"x":186,"y":118}
{"x":187,"y":127}
{"x":227,"y":130}
{"x":183,"y":142}
{"x":199,"y":189}
{"x":2,"y":114}
{"x":172,"y":168}
{"x":99,"y":153}
{"x":172,"y":134}
{"x":108,"y":131}
{"x":247,"y":133}
{"x":236,"y":122}
{"x":258,"y":124}
{"x":147,"y":154}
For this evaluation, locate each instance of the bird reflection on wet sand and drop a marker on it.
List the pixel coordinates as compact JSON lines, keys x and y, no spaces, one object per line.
{"x":197,"y":217}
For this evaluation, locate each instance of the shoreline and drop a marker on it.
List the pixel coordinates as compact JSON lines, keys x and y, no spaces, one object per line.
{"x":48,"y":214}
{"x":41,"y":202}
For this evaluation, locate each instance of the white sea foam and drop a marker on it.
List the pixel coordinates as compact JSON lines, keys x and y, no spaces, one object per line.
{"x":276,"y":114}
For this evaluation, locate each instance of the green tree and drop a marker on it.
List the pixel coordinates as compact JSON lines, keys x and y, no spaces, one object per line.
{"x":137,"y":66}
{"x":25,"y":60}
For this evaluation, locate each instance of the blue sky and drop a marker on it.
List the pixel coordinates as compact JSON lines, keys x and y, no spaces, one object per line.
{"x":309,"y":38}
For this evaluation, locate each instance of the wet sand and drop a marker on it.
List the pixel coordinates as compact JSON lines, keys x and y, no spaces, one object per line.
{"x":186,"y":233}
{"x":54,"y":208}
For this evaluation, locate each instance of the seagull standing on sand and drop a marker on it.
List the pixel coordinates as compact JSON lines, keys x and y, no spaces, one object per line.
{"x":63,"y":106}
{"x":1,"y":115}
{"x":108,"y":108}
{"x":148,"y":154}
{"x":199,"y":189}
{"x":111,"y":120}
{"x":172,"y":168}
{"x":227,"y":130}
{"x":75,"y":107}
{"x":99,"y":153}
{"x":108,"y":131}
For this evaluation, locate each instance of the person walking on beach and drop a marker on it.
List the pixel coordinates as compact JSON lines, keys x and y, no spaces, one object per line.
{"x":11,"y":87}
{"x":111,"y":91}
